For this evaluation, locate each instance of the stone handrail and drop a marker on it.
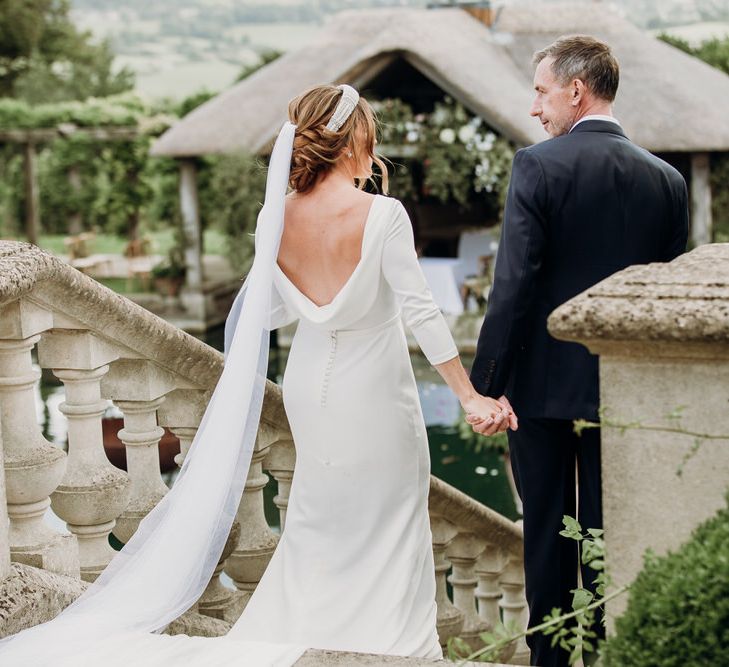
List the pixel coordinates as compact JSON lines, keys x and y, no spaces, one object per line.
{"x":104,"y":347}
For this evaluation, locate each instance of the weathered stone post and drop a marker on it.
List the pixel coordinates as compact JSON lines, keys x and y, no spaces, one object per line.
{"x":93,"y":493}
{"x":138,"y":388}
{"x":33,"y":467}
{"x":450,"y":618}
{"x":463,"y":552}
{"x":662,"y":333}
{"x":257,"y":542}
{"x":280,"y":462}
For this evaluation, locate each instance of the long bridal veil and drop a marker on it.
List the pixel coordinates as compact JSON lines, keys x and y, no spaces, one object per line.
{"x":166,"y":565}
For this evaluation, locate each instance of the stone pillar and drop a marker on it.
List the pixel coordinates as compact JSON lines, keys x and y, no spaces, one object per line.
{"x":33,"y":466}
{"x":280,"y":463}
{"x":32,"y":193}
{"x":662,"y":333}
{"x":450,"y":619}
{"x":93,"y":493}
{"x":191,"y":224}
{"x":701,"y":224}
{"x":257,"y":542}
{"x":463,"y":552}
{"x":4,"y":520}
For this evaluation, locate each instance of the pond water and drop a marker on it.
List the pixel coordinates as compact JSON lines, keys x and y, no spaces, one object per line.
{"x":479,"y":472}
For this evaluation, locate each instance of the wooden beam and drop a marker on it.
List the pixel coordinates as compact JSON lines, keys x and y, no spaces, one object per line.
{"x":701,"y":223}
{"x":44,"y":134}
{"x":32,"y":198}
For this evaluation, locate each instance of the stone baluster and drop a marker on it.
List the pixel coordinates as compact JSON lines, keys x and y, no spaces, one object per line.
{"x":93,"y":493}
{"x":280,"y":463}
{"x":181,"y":413}
{"x":220,"y":601}
{"x":463,"y":552}
{"x":514,"y":605}
{"x":488,"y":569}
{"x":257,"y":542}
{"x":450,"y":619}
{"x":138,"y":388}
{"x":141,"y":437}
{"x":33,"y":466}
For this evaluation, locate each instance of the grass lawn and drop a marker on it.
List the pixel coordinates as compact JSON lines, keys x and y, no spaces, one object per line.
{"x":214,"y":242}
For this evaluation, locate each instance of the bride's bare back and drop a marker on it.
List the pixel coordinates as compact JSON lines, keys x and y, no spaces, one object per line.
{"x":322,"y":240}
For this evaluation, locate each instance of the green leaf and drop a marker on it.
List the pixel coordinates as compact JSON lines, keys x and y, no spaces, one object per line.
{"x":581,"y":598}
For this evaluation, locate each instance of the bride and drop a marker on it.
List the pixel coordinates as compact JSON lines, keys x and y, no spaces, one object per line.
{"x":353,"y":570}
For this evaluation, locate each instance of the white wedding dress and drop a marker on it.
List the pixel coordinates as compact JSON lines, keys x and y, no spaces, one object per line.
{"x":353,"y":570}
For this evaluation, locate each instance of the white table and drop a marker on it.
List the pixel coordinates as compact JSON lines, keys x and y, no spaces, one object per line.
{"x":445,"y":277}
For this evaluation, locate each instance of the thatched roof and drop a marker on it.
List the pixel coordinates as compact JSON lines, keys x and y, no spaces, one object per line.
{"x":668,"y":101}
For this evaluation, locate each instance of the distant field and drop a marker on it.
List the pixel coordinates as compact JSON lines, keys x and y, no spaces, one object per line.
{"x":184,"y":79}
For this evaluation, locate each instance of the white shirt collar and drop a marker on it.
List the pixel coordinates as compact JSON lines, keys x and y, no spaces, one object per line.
{"x":596,"y":116}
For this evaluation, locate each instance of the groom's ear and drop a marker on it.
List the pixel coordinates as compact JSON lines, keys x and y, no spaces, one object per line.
{"x":578,"y":90}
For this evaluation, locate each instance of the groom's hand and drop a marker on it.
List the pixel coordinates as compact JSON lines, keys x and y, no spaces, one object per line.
{"x":497,"y":423}
{"x":513,"y":421}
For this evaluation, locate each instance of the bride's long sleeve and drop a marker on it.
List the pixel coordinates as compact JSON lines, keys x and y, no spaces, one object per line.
{"x":279,"y":314}
{"x":403,"y":273}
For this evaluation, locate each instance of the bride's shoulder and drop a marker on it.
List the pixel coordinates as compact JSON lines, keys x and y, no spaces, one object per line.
{"x":393,"y":206}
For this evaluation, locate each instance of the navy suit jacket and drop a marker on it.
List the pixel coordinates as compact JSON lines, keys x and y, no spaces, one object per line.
{"x":579,"y":208}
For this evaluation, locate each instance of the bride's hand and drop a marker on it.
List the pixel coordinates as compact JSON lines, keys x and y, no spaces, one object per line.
{"x":486,"y":415}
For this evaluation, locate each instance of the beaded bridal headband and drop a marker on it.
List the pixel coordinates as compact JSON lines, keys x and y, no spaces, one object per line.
{"x":345,"y":107}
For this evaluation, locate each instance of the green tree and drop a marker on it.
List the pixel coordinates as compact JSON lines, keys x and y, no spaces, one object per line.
{"x":44,"y":58}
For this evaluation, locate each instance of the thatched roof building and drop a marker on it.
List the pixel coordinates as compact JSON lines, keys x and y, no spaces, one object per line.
{"x":668,"y":101}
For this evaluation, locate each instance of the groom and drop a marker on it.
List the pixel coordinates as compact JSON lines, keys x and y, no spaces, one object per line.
{"x":581,"y":206}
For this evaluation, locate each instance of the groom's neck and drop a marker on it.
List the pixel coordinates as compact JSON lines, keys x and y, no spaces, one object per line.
{"x":595,"y":107}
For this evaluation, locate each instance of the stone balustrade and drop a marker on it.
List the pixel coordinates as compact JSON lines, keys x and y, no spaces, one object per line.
{"x":105,"y":349}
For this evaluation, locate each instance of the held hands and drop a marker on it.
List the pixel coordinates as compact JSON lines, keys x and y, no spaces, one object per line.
{"x":488,"y":416}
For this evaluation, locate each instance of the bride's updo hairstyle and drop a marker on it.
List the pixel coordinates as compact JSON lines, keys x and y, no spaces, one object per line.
{"x":317,"y":150}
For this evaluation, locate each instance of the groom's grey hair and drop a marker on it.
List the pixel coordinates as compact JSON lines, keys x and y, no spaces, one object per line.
{"x":586,"y":58}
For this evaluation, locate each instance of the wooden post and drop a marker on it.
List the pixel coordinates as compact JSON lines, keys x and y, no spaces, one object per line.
{"x":700,"y":199}
{"x":32,"y":200}
{"x":75,"y":222}
{"x":191,"y":224}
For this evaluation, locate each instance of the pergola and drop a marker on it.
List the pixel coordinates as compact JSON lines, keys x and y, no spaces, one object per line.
{"x":30,"y":139}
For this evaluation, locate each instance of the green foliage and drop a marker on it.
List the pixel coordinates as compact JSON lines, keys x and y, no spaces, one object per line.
{"x":461,"y":157}
{"x":236,"y":189}
{"x":43,"y":57}
{"x":126,"y":110}
{"x":678,"y":612}
{"x":573,"y":631}
{"x":715,"y":52}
